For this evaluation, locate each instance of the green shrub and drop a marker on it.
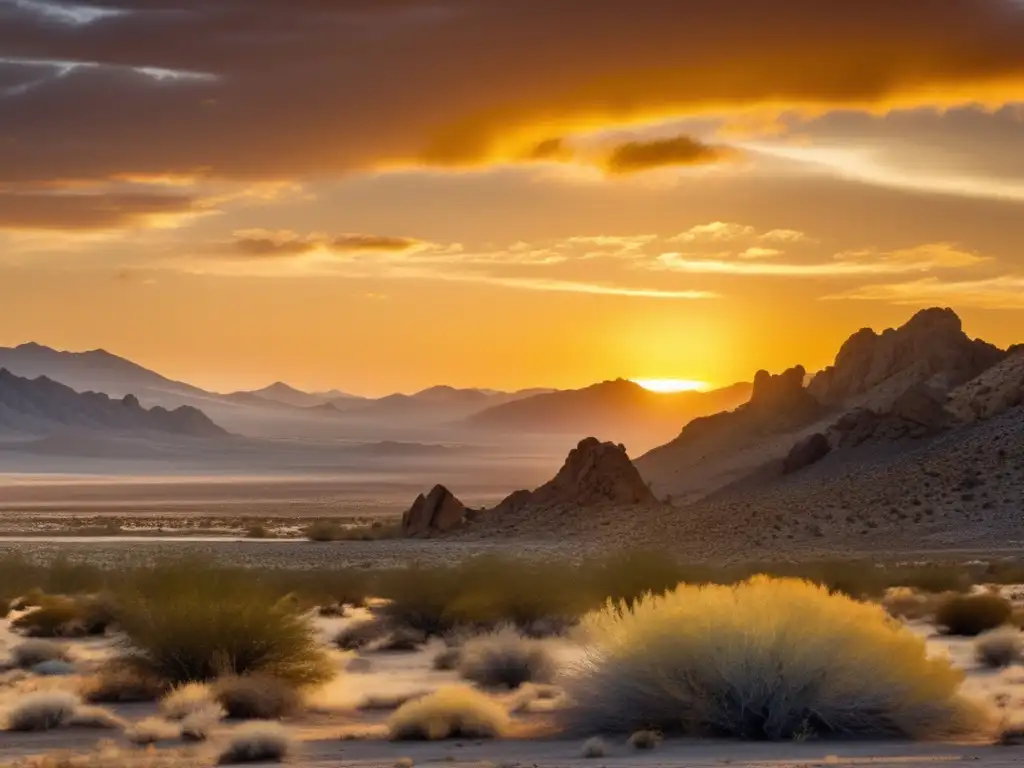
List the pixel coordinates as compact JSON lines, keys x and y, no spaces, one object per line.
{"x":190,"y":623}
{"x":765,"y":659}
{"x":970,"y":615}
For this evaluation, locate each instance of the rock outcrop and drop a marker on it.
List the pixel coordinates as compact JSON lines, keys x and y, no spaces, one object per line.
{"x":808,"y":451}
{"x":930,"y":348}
{"x":918,"y":412}
{"x":437,"y":512}
{"x":998,"y":389}
{"x":594,"y":473}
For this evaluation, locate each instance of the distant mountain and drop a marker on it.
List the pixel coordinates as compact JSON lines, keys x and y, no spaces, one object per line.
{"x":440,"y":404}
{"x":41,"y":406}
{"x":96,"y":371}
{"x":282,"y":393}
{"x":620,"y":410}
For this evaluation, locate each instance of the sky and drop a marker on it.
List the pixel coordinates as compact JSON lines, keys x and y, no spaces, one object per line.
{"x":384,"y":195}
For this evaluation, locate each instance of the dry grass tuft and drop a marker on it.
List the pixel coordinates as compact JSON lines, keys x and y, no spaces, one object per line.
{"x":447,"y":660}
{"x":198,"y":725}
{"x":118,"y":683}
{"x":95,"y":717}
{"x":1000,"y":647}
{"x":970,"y":615}
{"x":505,"y":659}
{"x":256,"y":697}
{"x":184,"y":700}
{"x":32,"y":652}
{"x":383,"y":702}
{"x":593,"y":748}
{"x":42,"y":711}
{"x":453,"y":712}
{"x":257,"y":742}
{"x":152,"y":730}
{"x":765,"y":659}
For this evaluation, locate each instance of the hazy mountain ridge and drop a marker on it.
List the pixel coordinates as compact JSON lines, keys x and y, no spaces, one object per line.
{"x":39,"y":406}
{"x":618,"y":410}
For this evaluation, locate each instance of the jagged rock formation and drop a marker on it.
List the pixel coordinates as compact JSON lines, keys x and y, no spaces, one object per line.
{"x":877,"y":368}
{"x":437,"y":512}
{"x":594,"y":473}
{"x":40,"y":406}
{"x":995,"y":391}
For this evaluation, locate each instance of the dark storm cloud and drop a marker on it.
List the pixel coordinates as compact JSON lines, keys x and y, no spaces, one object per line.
{"x":303,"y":88}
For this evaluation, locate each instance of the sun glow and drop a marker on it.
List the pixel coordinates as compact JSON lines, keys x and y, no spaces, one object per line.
{"x":673,"y":385}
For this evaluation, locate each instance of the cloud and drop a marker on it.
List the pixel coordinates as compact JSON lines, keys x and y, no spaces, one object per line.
{"x":94,"y":212}
{"x":362,"y":243}
{"x":572,"y":286}
{"x":1004,"y":292}
{"x":756,"y":252}
{"x":638,"y":156}
{"x":267,"y":89}
{"x":263,"y":243}
{"x":923,"y":258}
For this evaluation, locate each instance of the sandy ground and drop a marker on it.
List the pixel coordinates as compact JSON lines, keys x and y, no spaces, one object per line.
{"x":334,"y":731}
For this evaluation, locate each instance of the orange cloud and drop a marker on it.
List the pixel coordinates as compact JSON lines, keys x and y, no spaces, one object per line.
{"x":637,"y":156}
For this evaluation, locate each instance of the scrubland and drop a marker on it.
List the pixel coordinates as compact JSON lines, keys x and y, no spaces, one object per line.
{"x":208,"y":664}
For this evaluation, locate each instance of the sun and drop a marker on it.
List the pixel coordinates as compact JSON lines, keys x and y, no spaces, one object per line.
{"x":673,"y":385}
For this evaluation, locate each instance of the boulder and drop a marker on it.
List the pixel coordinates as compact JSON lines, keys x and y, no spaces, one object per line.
{"x":437,"y":512}
{"x":594,"y":473}
{"x":810,"y":450}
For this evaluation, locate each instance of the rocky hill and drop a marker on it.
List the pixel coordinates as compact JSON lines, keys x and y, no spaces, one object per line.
{"x":41,"y":406}
{"x":874,"y":369}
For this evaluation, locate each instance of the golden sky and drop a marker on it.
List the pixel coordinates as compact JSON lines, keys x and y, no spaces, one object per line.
{"x":383,"y":195}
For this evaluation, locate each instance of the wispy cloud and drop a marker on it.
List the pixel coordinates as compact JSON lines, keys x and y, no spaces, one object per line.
{"x":924,"y":258}
{"x":1004,"y":292}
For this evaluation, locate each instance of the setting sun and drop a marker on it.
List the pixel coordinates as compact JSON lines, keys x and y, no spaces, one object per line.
{"x":673,"y":385}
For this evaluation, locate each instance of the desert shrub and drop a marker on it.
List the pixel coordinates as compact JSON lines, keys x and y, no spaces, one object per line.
{"x":970,"y":615}
{"x":999,"y":647}
{"x":447,"y":660}
{"x":453,"y":712}
{"x":644,"y":739}
{"x":387,"y":702}
{"x":119,"y":683}
{"x":257,"y":742}
{"x":256,"y":697}
{"x":506,"y":659}
{"x":325,"y":530}
{"x":54,"y":668}
{"x":32,"y":652}
{"x":257,"y":531}
{"x":765,"y":659}
{"x":42,"y":711}
{"x":910,"y":604}
{"x":332,"y":611}
{"x":360,"y":634}
{"x":189,"y":623}
{"x":186,"y":699}
{"x":402,"y":640}
{"x":593,"y":748}
{"x":198,"y":725}
{"x":59,"y":616}
{"x":152,"y":730}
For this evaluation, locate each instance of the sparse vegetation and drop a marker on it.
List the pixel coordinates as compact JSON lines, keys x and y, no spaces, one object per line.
{"x":257,"y":742}
{"x":59,"y":616}
{"x":593,"y":748}
{"x":999,"y":647}
{"x":120,"y":683}
{"x":152,"y":730}
{"x":360,"y":634}
{"x":505,"y":659}
{"x":193,"y":624}
{"x":256,"y":697}
{"x":42,"y":711}
{"x":32,"y":652}
{"x":186,"y":699}
{"x":970,"y":615}
{"x":765,"y":659}
{"x":453,"y":712}
{"x":645,"y":739}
